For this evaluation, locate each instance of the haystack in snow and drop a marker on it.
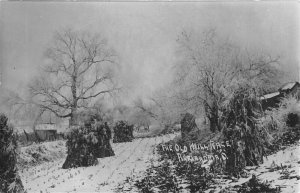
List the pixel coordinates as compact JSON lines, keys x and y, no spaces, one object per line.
{"x":80,"y":144}
{"x":103,"y":147}
{"x":123,"y":132}
{"x":188,"y":123}
{"x":86,"y":144}
{"x":10,"y":181}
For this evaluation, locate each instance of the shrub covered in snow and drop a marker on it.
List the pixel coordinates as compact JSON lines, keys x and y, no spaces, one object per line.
{"x":158,"y":179}
{"x":281,"y":123}
{"x":172,"y":175}
{"x":42,"y":152}
{"x":255,"y":185}
{"x":287,"y":114}
{"x":123,"y":132}
{"x":9,"y":178}
{"x":292,"y":119}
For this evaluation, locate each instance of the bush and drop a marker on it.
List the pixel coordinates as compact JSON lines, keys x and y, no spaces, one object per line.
{"x":86,"y":144}
{"x":9,"y":178}
{"x":280,"y":123}
{"x":256,"y":186}
{"x":40,"y":153}
{"x":292,"y":120}
{"x":123,"y":132}
{"x":172,"y":176}
{"x":158,"y":179}
{"x":196,"y":177}
{"x":276,"y":119}
{"x":289,"y":111}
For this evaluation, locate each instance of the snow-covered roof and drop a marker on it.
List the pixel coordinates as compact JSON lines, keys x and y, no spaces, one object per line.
{"x":46,"y":127}
{"x":58,"y":127}
{"x":287,"y":86}
{"x":270,"y":95}
{"x":28,"y":128}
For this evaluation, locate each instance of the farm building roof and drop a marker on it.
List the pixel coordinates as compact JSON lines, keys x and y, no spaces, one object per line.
{"x":288,"y":86}
{"x":270,"y":95}
{"x":46,"y":127}
{"x":28,"y":128}
{"x":58,"y":127}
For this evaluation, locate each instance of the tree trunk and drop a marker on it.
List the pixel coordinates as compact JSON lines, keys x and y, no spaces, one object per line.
{"x":212,"y":124}
{"x":73,"y":119}
{"x":187,"y":124}
{"x":26,"y":134}
{"x":213,"y":116}
{"x":42,"y":110}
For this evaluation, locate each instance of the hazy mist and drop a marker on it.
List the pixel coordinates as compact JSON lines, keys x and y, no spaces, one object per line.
{"x":143,"y":34}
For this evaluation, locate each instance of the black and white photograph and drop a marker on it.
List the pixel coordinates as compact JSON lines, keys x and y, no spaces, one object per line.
{"x":149,"y":96}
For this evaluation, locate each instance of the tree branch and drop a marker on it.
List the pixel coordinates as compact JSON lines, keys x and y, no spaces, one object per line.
{"x":97,"y":94}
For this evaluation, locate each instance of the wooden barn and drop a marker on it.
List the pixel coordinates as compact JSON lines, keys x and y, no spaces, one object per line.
{"x":290,"y":89}
{"x":46,"y":132}
{"x":43,"y":132}
{"x":272,"y":100}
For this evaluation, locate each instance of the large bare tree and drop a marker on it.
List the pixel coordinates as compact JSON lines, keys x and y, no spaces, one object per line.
{"x":79,"y":68}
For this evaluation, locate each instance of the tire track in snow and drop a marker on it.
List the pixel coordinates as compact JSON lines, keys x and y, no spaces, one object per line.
{"x":100,"y":173}
{"x":130,"y":159}
{"x":132,"y":154}
{"x":121,"y":162}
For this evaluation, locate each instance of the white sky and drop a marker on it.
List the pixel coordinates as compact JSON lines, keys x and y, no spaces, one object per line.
{"x":144,"y":34}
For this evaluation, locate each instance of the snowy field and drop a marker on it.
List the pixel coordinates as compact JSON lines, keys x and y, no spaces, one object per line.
{"x":281,"y":170}
{"x":130,"y":161}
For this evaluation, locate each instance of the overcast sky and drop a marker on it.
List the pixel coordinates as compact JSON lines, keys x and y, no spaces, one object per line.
{"x":144,"y":34}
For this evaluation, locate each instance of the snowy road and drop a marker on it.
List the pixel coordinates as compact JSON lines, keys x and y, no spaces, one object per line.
{"x":131,"y":160}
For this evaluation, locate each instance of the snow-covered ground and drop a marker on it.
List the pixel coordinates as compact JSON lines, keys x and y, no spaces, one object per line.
{"x":35,"y":154}
{"x":130,"y":161}
{"x":281,"y":170}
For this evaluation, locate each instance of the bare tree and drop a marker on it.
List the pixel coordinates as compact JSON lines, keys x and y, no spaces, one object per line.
{"x":164,"y":105}
{"x":16,"y":107}
{"x":159,"y":107}
{"x":140,"y":118}
{"x":79,"y":68}
{"x":209,"y":67}
{"x":145,"y":108}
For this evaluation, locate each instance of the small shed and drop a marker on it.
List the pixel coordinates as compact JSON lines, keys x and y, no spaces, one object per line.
{"x":271,"y":100}
{"x":290,"y":89}
{"x":46,"y":132}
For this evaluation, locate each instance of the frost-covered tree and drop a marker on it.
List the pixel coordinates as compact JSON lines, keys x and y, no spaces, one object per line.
{"x":209,"y":66}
